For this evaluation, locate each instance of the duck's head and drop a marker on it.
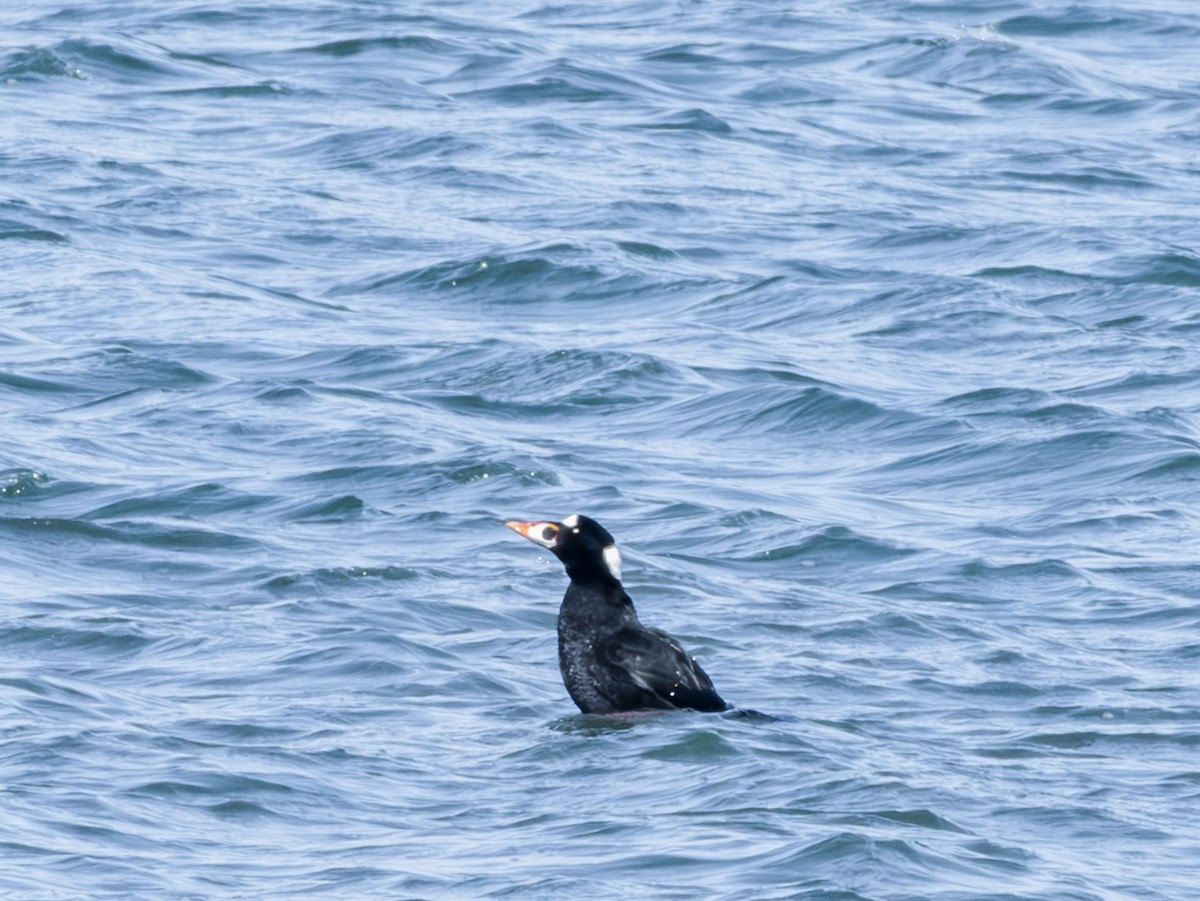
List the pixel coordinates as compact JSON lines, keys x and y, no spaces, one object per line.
{"x":584,"y":546}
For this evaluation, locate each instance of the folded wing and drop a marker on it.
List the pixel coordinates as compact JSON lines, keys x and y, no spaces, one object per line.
{"x":657,"y":664}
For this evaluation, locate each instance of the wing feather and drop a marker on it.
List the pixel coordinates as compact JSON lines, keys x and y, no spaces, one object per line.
{"x":656,"y":663}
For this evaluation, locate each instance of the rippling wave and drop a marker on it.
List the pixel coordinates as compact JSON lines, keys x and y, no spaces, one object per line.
{"x":869,"y":330}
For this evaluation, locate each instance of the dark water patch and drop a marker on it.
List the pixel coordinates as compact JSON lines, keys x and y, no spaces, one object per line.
{"x":742,"y":532}
{"x":337,"y":509}
{"x":1053,"y":575}
{"x":1107,"y":109}
{"x":1170,"y":577}
{"x":464,"y":473}
{"x":923,"y":237}
{"x":286,"y":395}
{"x":122,"y":62}
{"x":1156,"y":385}
{"x":1177,"y":270}
{"x":814,"y":412}
{"x":226,"y":796}
{"x":1119,"y":744}
{"x":365,"y":476}
{"x":384,"y":486}
{"x":397,"y":616}
{"x":694,"y":120}
{"x":116,"y":642}
{"x":1182,"y":467}
{"x":1039,"y":276}
{"x":697,"y":748}
{"x":300,"y":584}
{"x":35,"y":64}
{"x":23,"y":483}
{"x":590,"y":724}
{"x":113,"y":372}
{"x":403,"y":47}
{"x":1069,"y":22}
{"x":782,"y":92}
{"x":558,"y":83}
{"x":923,"y":819}
{"x":1018,"y":403}
{"x":1188,"y":778}
{"x":954,"y":327}
{"x":527,"y":382}
{"x":576,"y":405}
{"x":624,"y":215}
{"x":34,"y":386}
{"x":1004,"y":690}
{"x":685,"y":54}
{"x":18,"y":231}
{"x":919,"y":591}
{"x":1088,"y":457}
{"x":197,"y":502}
{"x":834,"y":546}
{"x":397,"y":657}
{"x":1082,"y":180}
{"x":497,"y":64}
{"x":240,"y":732}
{"x":834,"y":553}
{"x":241,"y":811}
{"x":360,"y":365}
{"x":519,"y":278}
{"x":977,"y":67}
{"x":891,"y":624}
{"x":1080,"y":821}
{"x":262,"y":89}
{"x":855,"y":849}
{"x":777,"y":373}
{"x":58,"y":530}
{"x":1174,"y":722}
{"x":649,"y":251}
{"x":30,"y":686}
{"x":381,"y":148}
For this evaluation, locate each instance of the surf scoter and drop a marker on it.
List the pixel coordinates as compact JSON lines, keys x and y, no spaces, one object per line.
{"x":610,"y":662}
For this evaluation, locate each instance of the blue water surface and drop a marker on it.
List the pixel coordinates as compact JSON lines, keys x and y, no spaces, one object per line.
{"x":871,"y":330}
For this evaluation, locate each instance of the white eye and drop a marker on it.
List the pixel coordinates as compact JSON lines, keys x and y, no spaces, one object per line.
{"x":612,"y":559}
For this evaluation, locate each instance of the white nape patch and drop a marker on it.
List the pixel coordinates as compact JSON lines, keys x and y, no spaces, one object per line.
{"x":612,"y":559}
{"x":572,"y":521}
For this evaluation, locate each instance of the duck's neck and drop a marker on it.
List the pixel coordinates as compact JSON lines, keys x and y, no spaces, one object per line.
{"x":595,"y":607}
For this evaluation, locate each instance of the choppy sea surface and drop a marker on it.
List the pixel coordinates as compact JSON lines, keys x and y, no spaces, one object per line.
{"x":871,"y":330}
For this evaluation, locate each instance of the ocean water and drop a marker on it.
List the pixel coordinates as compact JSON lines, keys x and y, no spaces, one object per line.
{"x":871,"y":330}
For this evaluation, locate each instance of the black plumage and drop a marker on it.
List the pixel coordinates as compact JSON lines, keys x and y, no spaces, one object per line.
{"x":610,"y":662}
